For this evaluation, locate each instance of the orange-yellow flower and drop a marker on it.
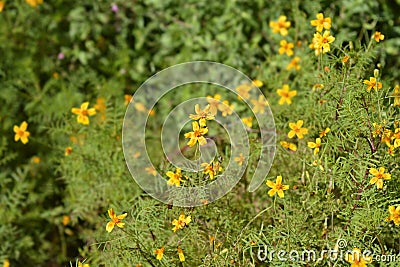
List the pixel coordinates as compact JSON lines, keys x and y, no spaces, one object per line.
{"x":296,"y":129}
{"x":286,"y":95}
{"x":214,"y":102}
{"x":127,"y":99}
{"x":277,"y":187}
{"x":394,"y":215}
{"x":34,"y":3}
{"x":396,"y":95}
{"x":396,"y":137}
{"x":180,"y":253}
{"x":175,"y":178}
{"x":286,"y":48}
{"x":80,"y":264}
{"x":324,"y":132}
{"x":378,"y":36}
{"x":68,"y":151}
{"x":239,"y":159}
{"x":357,"y":259}
{"x":115,"y":220}
{"x":294,"y":64}
{"x":321,"y":23}
{"x":323,"y":41}
{"x":197,"y":134}
{"x":21,"y":133}
{"x":259,"y":104}
{"x":345,"y":59}
{"x":316,"y":146}
{"x":248,"y":121}
{"x":159,"y":253}
{"x":83,"y":112}
{"x":204,"y":114}
{"x":243,"y":91}
{"x":258,"y":83}
{"x":181,"y":222}
{"x":1,"y":6}
{"x":288,"y":145}
{"x":281,"y":25}
{"x":379,"y":176}
{"x":211,"y":169}
{"x":36,"y":159}
{"x":225,"y":108}
{"x":100,"y":106}
{"x":373,"y":84}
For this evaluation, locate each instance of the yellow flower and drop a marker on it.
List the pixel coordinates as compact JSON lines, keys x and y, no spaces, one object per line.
{"x":378,"y":36}
{"x":151,"y":170}
{"x":175,"y":178}
{"x":277,"y":187}
{"x":68,"y":151}
{"x":317,"y":50}
{"x":387,"y":137}
{"x":127,"y":99}
{"x":357,"y":259}
{"x":34,"y":3}
{"x":321,"y":23}
{"x":225,"y":108}
{"x":373,"y":84}
{"x":323,"y":41}
{"x":140,"y":107}
{"x":396,"y":138}
{"x":259,"y":104}
{"x":197,"y":135}
{"x":6,"y":263}
{"x":211,"y":169}
{"x":294,"y":64}
{"x":248,"y":121}
{"x":317,"y":87}
{"x":1,"y":6}
{"x":258,"y":83}
{"x":296,"y":129}
{"x":180,"y":253}
{"x":286,"y":95}
{"x":214,"y":102}
{"x":65,"y":220}
{"x":396,"y":95}
{"x":379,"y":176}
{"x":288,"y":145}
{"x":324,"y":132}
{"x":286,"y":48}
{"x":281,"y":25}
{"x":181,"y":222}
{"x":394,"y":215}
{"x":160,"y":253}
{"x":345,"y":59}
{"x":36,"y":159}
{"x":202,"y":114}
{"x":391,"y":151}
{"x":243,"y":91}
{"x":83,"y":112}
{"x":101,"y":107}
{"x":239,"y":159}
{"x":80,"y":264}
{"x":21,"y":132}
{"x":315,"y":145}
{"x":115,"y":220}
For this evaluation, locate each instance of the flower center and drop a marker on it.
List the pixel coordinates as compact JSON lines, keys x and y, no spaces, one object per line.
{"x":278,"y":187}
{"x":21,"y":133}
{"x":84,"y":112}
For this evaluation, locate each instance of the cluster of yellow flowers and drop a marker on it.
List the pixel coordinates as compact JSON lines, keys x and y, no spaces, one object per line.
{"x":388,"y":137}
{"x":321,"y":43}
{"x":32,"y":3}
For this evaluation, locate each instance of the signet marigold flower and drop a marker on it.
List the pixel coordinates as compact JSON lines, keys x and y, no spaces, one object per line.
{"x":214,"y":102}
{"x":21,"y":133}
{"x":281,"y":25}
{"x":243,"y":91}
{"x":323,"y":41}
{"x":248,"y":121}
{"x":372,"y":83}
{"x":181,"y":255}
{"x":378,"y":36}
{"x":396,"y":95}
{"x":288,"y":145}
{"x":316,"y":146}
{"x":296,"y":129}
{"x":394,"y":215}
{"x":259,"y":104}
{"x":294,"y":64}
{"x":211,"y":169}
{"x":181,"y":222}
{"x":225,"y":108}
{"x":175,"y":178}
{"x":357,"y":259}
{"x":277,"y":187}
{"x":83,"y":112}
{"x":115,"y":220}
{"x":159,"y":253}
{"x":379,"y":176}
{"x":286,"y":48}
{"x":286,"y":95}
{"x":196,"y":135}
{"x":34,"y":3}
{"x":324,"y":132}
{"x":239,"y":159}
{"x":80,"y":264}
{"x":202,"y":114}
{"x":321,"y":23}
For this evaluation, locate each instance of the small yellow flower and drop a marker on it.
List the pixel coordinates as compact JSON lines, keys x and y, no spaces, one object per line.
{"x":248,"y":121}
{"x":324,"y":132}
{"x":317,"y":86}
{"x":357,"y":259}
{"x":258,"y":83}
{"x":21,"y":132}
{"x":83,"y":112}
{"x":240,"y":159}
{"x":34,"y":3}
{"x":281,"y":25}
{"x":100,"y":106}
{"x":243,"y":91}
{"x":36,"y":159}
{"x":6,"y":263}
{"x":288,"y":145}
{"x":379,"y":176}
{"x":373,"y":84}
{"x":1,"y":6}
{"x":196,"y":135}
{"x":151,"y":170}
{"x":181,"y":222}
{"x":175,"y":178}
{"x":294,"y":64}
{"x":68,"y":151}
{"x":296,"y":129}
{"x":212,"y":168}
{"x":286,"y":48}
{"x":80,"y":264}
{"x":315,"y":145}
{"x":180,"y":253}
{"x":115,"y":220}
{"x":160,"y":253}
{"x":321,"y":23}
{"x":65,"y":220}
{"x":225,"y":108}
{"x":277,"y":187}
{"x":127,"y":99}
{"x":396,"y":95}
{"x":394,"y":215}
{"x":202,"y":114}
{"x":323,"y":41}
{"x":378,"y":36}
{"x":391,"y":151}
{"x":259,"y":104}
{"x":286,"y":95}
{"x":396,"y":138}
{"x":214,"y":102}
{"x":139,"y":106}
{"x":345,"y":59}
